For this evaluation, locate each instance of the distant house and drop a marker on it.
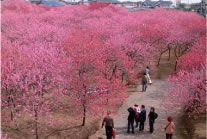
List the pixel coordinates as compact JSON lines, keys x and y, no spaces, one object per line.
{"x":52,"y":3}
{"x":149,"y":3}
{"x":107,"y":1}
{"x":35,"y":1}
{"x":131,"y":4}
{"x":160,"y":3}
{"x":195,"y":6}
{"x":73,"y":2}
{"x":165,"y":4}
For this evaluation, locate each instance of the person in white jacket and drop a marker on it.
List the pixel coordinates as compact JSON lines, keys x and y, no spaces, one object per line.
{"x":136,"y":107}
{"x":147,"y":70}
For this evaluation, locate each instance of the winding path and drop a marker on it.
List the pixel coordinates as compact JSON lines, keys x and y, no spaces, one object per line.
{"x":150,"y":98}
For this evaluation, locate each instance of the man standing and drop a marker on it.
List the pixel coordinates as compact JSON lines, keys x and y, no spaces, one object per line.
{"x":131,"y":117}
{"x":152,"y":116}
{"x":109,"y":125}
{"x":142,"y":118}
{"x":144,"y":82}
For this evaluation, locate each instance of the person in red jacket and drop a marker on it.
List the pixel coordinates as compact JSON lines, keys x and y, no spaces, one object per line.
{"x":109,"y":125}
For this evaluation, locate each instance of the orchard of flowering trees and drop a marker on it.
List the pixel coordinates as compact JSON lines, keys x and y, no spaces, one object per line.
{"x":82,"y":56}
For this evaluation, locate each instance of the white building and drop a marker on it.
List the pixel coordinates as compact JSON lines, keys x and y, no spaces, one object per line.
{"x":71,"y":1}
{"x":189,"y":1}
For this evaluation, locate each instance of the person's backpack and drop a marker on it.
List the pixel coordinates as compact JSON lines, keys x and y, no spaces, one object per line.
{"x":137,"y":115}
{"x":156,"y":115}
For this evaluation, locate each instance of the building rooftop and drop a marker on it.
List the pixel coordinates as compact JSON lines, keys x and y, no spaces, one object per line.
{"x":165,"y":2}
{"x":52,"y":3}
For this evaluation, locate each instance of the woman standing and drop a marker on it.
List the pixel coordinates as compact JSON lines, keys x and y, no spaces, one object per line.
{"x":147,"y":70}
{"x":136,"y":107}
{"x":169,"y":129}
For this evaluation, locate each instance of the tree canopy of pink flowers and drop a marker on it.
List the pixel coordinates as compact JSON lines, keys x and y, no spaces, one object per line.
{"x":84,"y":53}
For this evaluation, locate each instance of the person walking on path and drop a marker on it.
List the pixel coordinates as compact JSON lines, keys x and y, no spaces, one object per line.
{"x":147,"y":70}
{"x":152,"y":116}
{"x":144,"y":82}
{"x":136,"y":107}
{"x":142,"y":118}
{"x":169,"y":129}
{"x":109,"y":125}
{"x":131,"y":117}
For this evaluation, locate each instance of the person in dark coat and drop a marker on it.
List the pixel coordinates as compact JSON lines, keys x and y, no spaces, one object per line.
{"x":131,"y":117}
{"x":144,"y":82}
{"x":152,"y":116}
{"x":142,"y":118}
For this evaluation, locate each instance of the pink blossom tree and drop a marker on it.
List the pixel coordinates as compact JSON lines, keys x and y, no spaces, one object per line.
{"x":90,"y":90}
{"x":187,"y":87}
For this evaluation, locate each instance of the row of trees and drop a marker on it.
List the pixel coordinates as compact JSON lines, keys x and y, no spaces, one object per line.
{"x":188,"y":86}
{"x":82,"y":55}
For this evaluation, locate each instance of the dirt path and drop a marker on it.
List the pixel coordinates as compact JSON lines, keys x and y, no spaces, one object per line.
{"x":152,"y":97}
{"x":149,"y":99}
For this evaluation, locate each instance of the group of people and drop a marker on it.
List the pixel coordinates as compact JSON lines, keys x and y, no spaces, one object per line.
{"x":139,"y":116}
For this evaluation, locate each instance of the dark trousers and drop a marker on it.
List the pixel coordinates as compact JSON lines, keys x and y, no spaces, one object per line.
{"x":137,"y":123}
{"x":151,"y":124}
{"x":169,"y":136}
{"x":141,"y":126}
{"x":130,"y":123}
{"x":109,"y":132}
{"x":144,"y":87}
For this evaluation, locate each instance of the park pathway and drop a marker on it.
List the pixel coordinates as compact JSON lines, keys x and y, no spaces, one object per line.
{"x":152,"y":97}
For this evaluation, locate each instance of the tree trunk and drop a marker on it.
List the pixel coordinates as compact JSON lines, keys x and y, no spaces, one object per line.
{"x":175,"y":52}
{"x":176,"y":65}
{"x":169,"y":54}
{"x":158,"y":63}
{"x":113,"y":72}
{"x":12,"y":116}
{"x":84,"y":115}
{"x":36,"y":128}
{"x":122,"y":77}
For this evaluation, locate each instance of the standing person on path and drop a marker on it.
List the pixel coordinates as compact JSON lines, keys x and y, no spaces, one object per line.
{"x":109,"y":125}
{"x":131,"y":117}
{"x":136,"y":107}
{"x":142,"y":118}
{"x":144,"y":82}
{"x":169,"y":129}
{"x":147,"y":70}
{"x":152,"y":116}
